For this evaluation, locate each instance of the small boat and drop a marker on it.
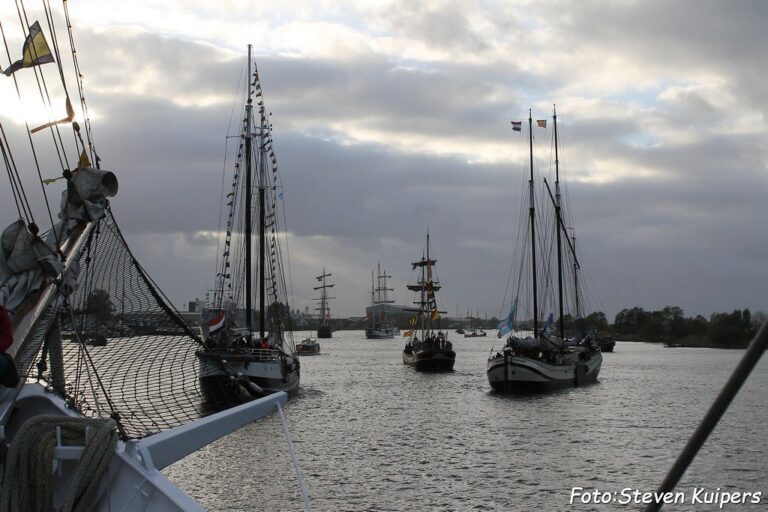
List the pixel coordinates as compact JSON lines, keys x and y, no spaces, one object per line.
{"x":541,"y":361}
{"x":308,"y":347}
{"x":380,"y":327}
{"x":427,"y":348}
{"x":475,"y":333}
{"x":263,"y":355}
{"x":324,"y":311}
{"x":606,"y":343}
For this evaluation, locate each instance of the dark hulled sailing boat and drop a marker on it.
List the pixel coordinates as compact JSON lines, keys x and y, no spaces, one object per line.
{"x":261,"y":354}
{"x":428,"y":348}
{"x":310,"y":346}
{"x":540,"y":360}
{"x":324,"y":310}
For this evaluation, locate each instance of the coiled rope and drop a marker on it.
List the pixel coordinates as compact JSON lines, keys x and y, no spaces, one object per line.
{"x":27,"y":482}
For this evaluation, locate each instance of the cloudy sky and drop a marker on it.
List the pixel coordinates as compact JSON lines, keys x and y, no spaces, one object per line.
{"x":390,"y":116}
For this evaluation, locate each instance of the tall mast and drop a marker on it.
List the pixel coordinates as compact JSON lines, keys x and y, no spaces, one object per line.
{"x":382,"y":291}
{"x":262,"y":224}
{"x":248,"y":192}
{"x":428,"y":284}
{"x":532,"y":211}
{"x":576,"y":278}
{"x":559,"y":221}
{"x":324,"y":309}
{"x":378,"y":290}
{"x":373,"y":301}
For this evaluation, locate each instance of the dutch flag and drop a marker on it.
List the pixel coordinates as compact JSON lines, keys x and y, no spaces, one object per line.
{"x":517,"y":125}
{"x":217,"y":323}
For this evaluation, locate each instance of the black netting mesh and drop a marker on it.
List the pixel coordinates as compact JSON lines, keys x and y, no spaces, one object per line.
{"x":123,"y":350}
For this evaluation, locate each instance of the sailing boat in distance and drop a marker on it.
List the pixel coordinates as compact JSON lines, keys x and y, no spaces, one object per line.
{"x":541,"y":360}
{"x":324,"y":310}
{"x":427,"y":350}
{"x":309,"y":346}
{"x":380,"y":326}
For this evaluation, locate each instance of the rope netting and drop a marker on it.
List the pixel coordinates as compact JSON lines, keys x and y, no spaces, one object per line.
{"x":116,"y":348}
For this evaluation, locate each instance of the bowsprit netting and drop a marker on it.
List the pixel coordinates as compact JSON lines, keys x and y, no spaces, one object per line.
{"x":116,"y":348}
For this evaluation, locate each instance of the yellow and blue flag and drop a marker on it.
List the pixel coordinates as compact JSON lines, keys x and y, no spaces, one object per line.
{"x":34,"y":53}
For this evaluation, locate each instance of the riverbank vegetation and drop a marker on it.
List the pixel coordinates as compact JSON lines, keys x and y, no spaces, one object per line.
{"x":670,"y":326}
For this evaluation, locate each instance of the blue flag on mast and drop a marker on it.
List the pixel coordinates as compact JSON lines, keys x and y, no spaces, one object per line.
{"x":508,"y":323}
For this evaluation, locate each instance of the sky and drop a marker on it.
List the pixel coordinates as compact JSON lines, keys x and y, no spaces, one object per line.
{"x":390,"y":117}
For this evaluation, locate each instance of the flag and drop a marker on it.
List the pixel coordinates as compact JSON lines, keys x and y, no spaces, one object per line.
{"x":84,"y":160}
{"x":541,"y":123}
{"x":34,"y":52}
{"x":217,"y":323}
{"x":406,"y":334}
{"x":548,"y":323}
{"x":435,"y":315}
{"x":70,"y":117}
{"x":517,"y":125}
{"x":508,"y":323}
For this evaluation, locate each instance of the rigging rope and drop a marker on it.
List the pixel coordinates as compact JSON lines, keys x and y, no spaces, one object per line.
{"x":287,"y":433}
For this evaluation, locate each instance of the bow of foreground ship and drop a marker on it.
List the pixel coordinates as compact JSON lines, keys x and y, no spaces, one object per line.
{"x":99,"y":387}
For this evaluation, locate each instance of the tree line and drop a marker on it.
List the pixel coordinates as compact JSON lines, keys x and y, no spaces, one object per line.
{"x":670,"y":325}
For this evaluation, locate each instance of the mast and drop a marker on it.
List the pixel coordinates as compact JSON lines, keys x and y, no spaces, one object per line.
{"x":559,"y":221}
{"x":428,"y":284}
{"x":248,"y":191}
{"x":381,"y":292}
{"x":324,"y":308}
{"x":532,"y":211}
{"x":262,"y":226}
{"x":576,"y":278}
{"x":373,"y":301}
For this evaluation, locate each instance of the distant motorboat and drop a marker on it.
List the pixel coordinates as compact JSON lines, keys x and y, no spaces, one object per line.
{"x":308,"y":347}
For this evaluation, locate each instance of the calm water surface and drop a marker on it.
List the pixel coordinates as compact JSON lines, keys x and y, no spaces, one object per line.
{"x":372,"y":434}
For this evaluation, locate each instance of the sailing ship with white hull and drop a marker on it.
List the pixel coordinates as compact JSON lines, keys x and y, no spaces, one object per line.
{"x":427,"y":348}
{"x":85,"y":426}
{"x":262,"y":355}
{"x":541,"y":360}
{"x":380,"y":327}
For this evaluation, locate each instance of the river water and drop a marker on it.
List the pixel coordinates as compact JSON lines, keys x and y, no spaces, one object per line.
{"x":372,"y":434}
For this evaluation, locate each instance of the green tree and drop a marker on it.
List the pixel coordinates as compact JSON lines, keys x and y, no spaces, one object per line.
{"x":279,"y":314}
{"x":598,"y":320}
{"x":99,"y":305}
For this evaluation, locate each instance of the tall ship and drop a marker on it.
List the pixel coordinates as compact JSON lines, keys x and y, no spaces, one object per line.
{"x":380,"y":325}
{"x":323,"y":309}
{"x":86,"y":424}
{"x":251,"y":269}
{"x":310,"y":346}
{"x":427,"y":348}
{"x":540,"y":357}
